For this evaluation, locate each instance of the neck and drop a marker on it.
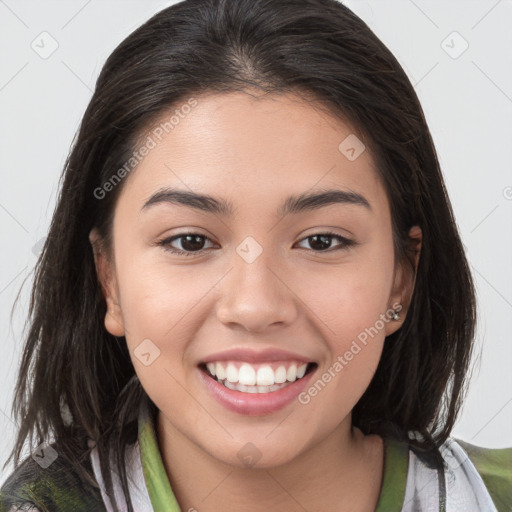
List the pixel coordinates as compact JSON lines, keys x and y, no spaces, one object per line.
{"x":344,"y":471}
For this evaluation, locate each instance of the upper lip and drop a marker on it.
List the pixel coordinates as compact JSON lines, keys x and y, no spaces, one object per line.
{"x":255,"y":356}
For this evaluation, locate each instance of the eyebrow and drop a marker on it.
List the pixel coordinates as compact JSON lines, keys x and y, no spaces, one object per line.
{"x":292,"y":204}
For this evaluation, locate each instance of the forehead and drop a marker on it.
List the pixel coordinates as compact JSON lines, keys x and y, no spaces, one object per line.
{"x":250,"y":149}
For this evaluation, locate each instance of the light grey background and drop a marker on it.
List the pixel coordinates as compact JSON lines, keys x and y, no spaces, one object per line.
{"x":467,"y":98}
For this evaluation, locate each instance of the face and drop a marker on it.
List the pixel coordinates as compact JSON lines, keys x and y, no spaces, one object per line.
{"x":260,"y":291}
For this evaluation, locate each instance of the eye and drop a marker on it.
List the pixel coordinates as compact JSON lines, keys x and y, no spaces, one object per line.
{"x":321,"y":242}
{"x":193,"y":243}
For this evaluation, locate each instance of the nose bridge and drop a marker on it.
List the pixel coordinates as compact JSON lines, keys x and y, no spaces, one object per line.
{"x":252,"y":262}
{"x":253,"y":294}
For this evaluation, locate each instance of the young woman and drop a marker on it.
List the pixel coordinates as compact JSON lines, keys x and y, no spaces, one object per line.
{"x":253,"y":295}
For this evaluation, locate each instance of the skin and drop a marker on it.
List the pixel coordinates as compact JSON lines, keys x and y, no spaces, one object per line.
{"x":254,"y":152}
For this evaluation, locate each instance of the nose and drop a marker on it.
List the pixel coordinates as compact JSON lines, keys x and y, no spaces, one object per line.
{"x":257,"y":293}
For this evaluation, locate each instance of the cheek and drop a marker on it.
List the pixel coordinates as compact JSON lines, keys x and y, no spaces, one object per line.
{"x":350,"y":305}
{"x":157,"y":305}
{"x":350,"y":302}
{"x":155,"y":291}
{"x":155,"y":302}
{"x":349,"y":298}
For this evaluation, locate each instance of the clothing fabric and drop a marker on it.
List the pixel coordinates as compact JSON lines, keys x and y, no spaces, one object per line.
{"x":475,"y":480}
{"x":409,"y":484}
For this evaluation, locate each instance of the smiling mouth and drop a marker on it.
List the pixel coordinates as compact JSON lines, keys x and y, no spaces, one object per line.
{"x":257,"y":378}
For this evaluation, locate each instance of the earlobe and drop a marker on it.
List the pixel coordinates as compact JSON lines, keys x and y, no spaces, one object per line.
{"x":113,"y":319}
{"x":395,"y":313}
{"x":107,"y":279}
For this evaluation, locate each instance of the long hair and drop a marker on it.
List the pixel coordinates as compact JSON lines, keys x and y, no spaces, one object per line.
{"x":316,"y":48}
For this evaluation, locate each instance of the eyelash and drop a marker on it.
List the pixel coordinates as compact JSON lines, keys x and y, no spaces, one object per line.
{"x":165,"y":243}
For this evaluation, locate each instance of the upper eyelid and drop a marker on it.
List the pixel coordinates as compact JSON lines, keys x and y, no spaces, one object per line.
{"x":320,"y":232}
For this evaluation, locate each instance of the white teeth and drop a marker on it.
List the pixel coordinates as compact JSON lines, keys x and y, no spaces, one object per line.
{"x":246,"y":375}
{"x":232,"y":373}
{"x":291,"y":374}
{"x":301,"y":370}
{"x":265,"y":376}
{"x":220,"y":372}
{"x":280,"y":375}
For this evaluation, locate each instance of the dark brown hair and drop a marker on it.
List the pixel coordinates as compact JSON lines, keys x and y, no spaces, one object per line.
{"x":316,"y":48}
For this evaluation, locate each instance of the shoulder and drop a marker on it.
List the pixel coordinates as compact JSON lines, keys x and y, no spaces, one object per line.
{"x":459,"y":476}
{"x":41,"y":486}
{"x":494,"y":466}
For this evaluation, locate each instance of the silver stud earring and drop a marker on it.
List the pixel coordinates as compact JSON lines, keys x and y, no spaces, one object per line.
{"x":395,"y":315}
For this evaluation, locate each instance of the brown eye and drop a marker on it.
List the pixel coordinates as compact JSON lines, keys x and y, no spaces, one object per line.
{"x":194,"y":243}
{"x":190,"y":243}
{"x":322,"y":242}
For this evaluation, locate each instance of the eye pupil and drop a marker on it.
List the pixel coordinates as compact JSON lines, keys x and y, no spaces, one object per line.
{"x":190,"y":242}
{"x":324,"y":244}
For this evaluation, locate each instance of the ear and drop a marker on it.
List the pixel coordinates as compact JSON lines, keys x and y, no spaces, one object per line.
{"x":405,"y":279}
{"x":105,"y":271}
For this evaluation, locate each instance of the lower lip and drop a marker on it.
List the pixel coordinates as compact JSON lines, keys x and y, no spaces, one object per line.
{"x":255,"y":404}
